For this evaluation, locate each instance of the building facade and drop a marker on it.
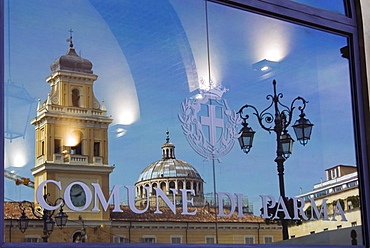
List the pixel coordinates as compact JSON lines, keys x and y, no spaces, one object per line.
{"x":341,"y":185}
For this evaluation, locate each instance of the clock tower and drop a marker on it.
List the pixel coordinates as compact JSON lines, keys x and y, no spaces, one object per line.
{"x":72,"y":135}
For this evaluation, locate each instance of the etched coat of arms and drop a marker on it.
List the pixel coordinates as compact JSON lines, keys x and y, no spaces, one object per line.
{"x":209,"y":125}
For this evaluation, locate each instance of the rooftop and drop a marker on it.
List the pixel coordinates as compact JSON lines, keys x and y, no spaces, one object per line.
{"x":203,"y":215}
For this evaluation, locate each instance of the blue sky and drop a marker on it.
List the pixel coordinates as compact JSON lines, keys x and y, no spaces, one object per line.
{"x":150,"y":56}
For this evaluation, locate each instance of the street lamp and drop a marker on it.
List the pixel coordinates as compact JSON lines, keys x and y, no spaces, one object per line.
{"x":281,"y":119}
{"x":246,"y":137}
{"x":60,"y":218}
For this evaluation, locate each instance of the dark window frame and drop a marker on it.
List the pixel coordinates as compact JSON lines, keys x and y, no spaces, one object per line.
{"x":350,"y":26}
{"x":58,"y":146}
{"x":97,"y":152}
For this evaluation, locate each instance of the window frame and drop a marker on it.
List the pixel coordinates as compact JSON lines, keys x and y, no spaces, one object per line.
{"x":118,"y":238}
{"x":210,"y":237}
{"x":152,"y":237}
{"x":350,"y":26}
{"x":32,"y":236}
{"x":176,"y":237}
{"x":268,"y":237}
{"x":249,"y":236}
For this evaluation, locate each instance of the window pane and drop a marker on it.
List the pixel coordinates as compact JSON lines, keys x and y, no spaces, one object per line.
{"x":268,"y":240}
{"x":249,"y":240}
{"x":146,"y":94}
{"x":176,"y":240}
{"x":210,"y":240}
{"x":337,"y":6}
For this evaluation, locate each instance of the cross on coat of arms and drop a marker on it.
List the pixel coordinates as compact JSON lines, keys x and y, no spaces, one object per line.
{"x":209,"y":125}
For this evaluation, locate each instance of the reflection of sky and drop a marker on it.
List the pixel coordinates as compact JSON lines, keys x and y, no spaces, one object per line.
{"x":336,"y":6}
{"x":157,"y":51}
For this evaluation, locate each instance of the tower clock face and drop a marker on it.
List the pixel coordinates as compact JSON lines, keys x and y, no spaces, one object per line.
{"x":78,"y":196}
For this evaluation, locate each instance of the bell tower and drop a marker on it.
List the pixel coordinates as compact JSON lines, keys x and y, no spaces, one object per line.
{"x":72,"y":135}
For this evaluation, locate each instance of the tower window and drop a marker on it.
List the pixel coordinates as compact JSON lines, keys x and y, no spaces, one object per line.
{"x":57,"y":146}
{"x":75,"y":98}
{"x":96,"y":148}
{"x":77,"y":149}
{"x":42,"y":148}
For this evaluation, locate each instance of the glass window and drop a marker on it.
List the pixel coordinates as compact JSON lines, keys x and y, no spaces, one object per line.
{"x":120,"y":239}
{"x":176,"y":239}
{"x":336,"y":6}
{"x":268,"y":240}
{"x":145,"y":107}
{"x":148,"y":240}
{"x":96,"y":148}
{"x":249,"y":240}
{"x":32,"y":239}
{"x":210,"y":240}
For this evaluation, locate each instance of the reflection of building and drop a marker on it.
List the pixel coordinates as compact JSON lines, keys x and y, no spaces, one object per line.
{"x":341,"y":185}
{"x":199,"y":228}
{"x":71,"y":133}
{"x":169,"y":173}
{"x":148,"y":227}
{"x":72,"y":146}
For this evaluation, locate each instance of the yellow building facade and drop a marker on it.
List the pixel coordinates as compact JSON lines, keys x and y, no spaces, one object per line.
{"x":71,"y":134}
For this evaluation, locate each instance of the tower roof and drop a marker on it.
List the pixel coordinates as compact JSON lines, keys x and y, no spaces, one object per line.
{"x":71,"y":61}
{"x":168,"y":149}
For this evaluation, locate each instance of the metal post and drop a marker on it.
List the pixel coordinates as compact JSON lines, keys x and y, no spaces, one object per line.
{"x":281,"y":116}
{"x":45,"y":230}
{"x":280,"y":168}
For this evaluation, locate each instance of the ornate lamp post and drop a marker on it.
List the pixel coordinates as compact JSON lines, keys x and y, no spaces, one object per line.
{"x":281,"y":119}
{"x":60,"y":218}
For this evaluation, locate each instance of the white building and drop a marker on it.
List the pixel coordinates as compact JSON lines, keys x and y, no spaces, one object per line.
{"x":341,"y":184}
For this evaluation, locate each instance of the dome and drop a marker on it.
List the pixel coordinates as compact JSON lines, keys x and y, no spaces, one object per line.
{"x":168,"y":174}
{"x":71,"y":62}
{"x":166,"y":168}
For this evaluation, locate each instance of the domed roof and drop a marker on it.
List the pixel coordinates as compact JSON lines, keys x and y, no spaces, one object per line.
{"x":168,"y":166}
{"x":165,"y":168}
{"x":71,"y":62}
{"x":168,"y":144}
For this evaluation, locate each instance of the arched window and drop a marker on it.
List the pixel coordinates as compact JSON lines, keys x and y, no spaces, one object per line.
{"x":75,"y":98}
{"x":188,"y":185}
{"x":172,"y":185}
{"x":154,"y":185}
{"x":180,"y":185}
{"x":146,"y":191}
{"x":141,"y":191}
{"x":163,"y":186}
